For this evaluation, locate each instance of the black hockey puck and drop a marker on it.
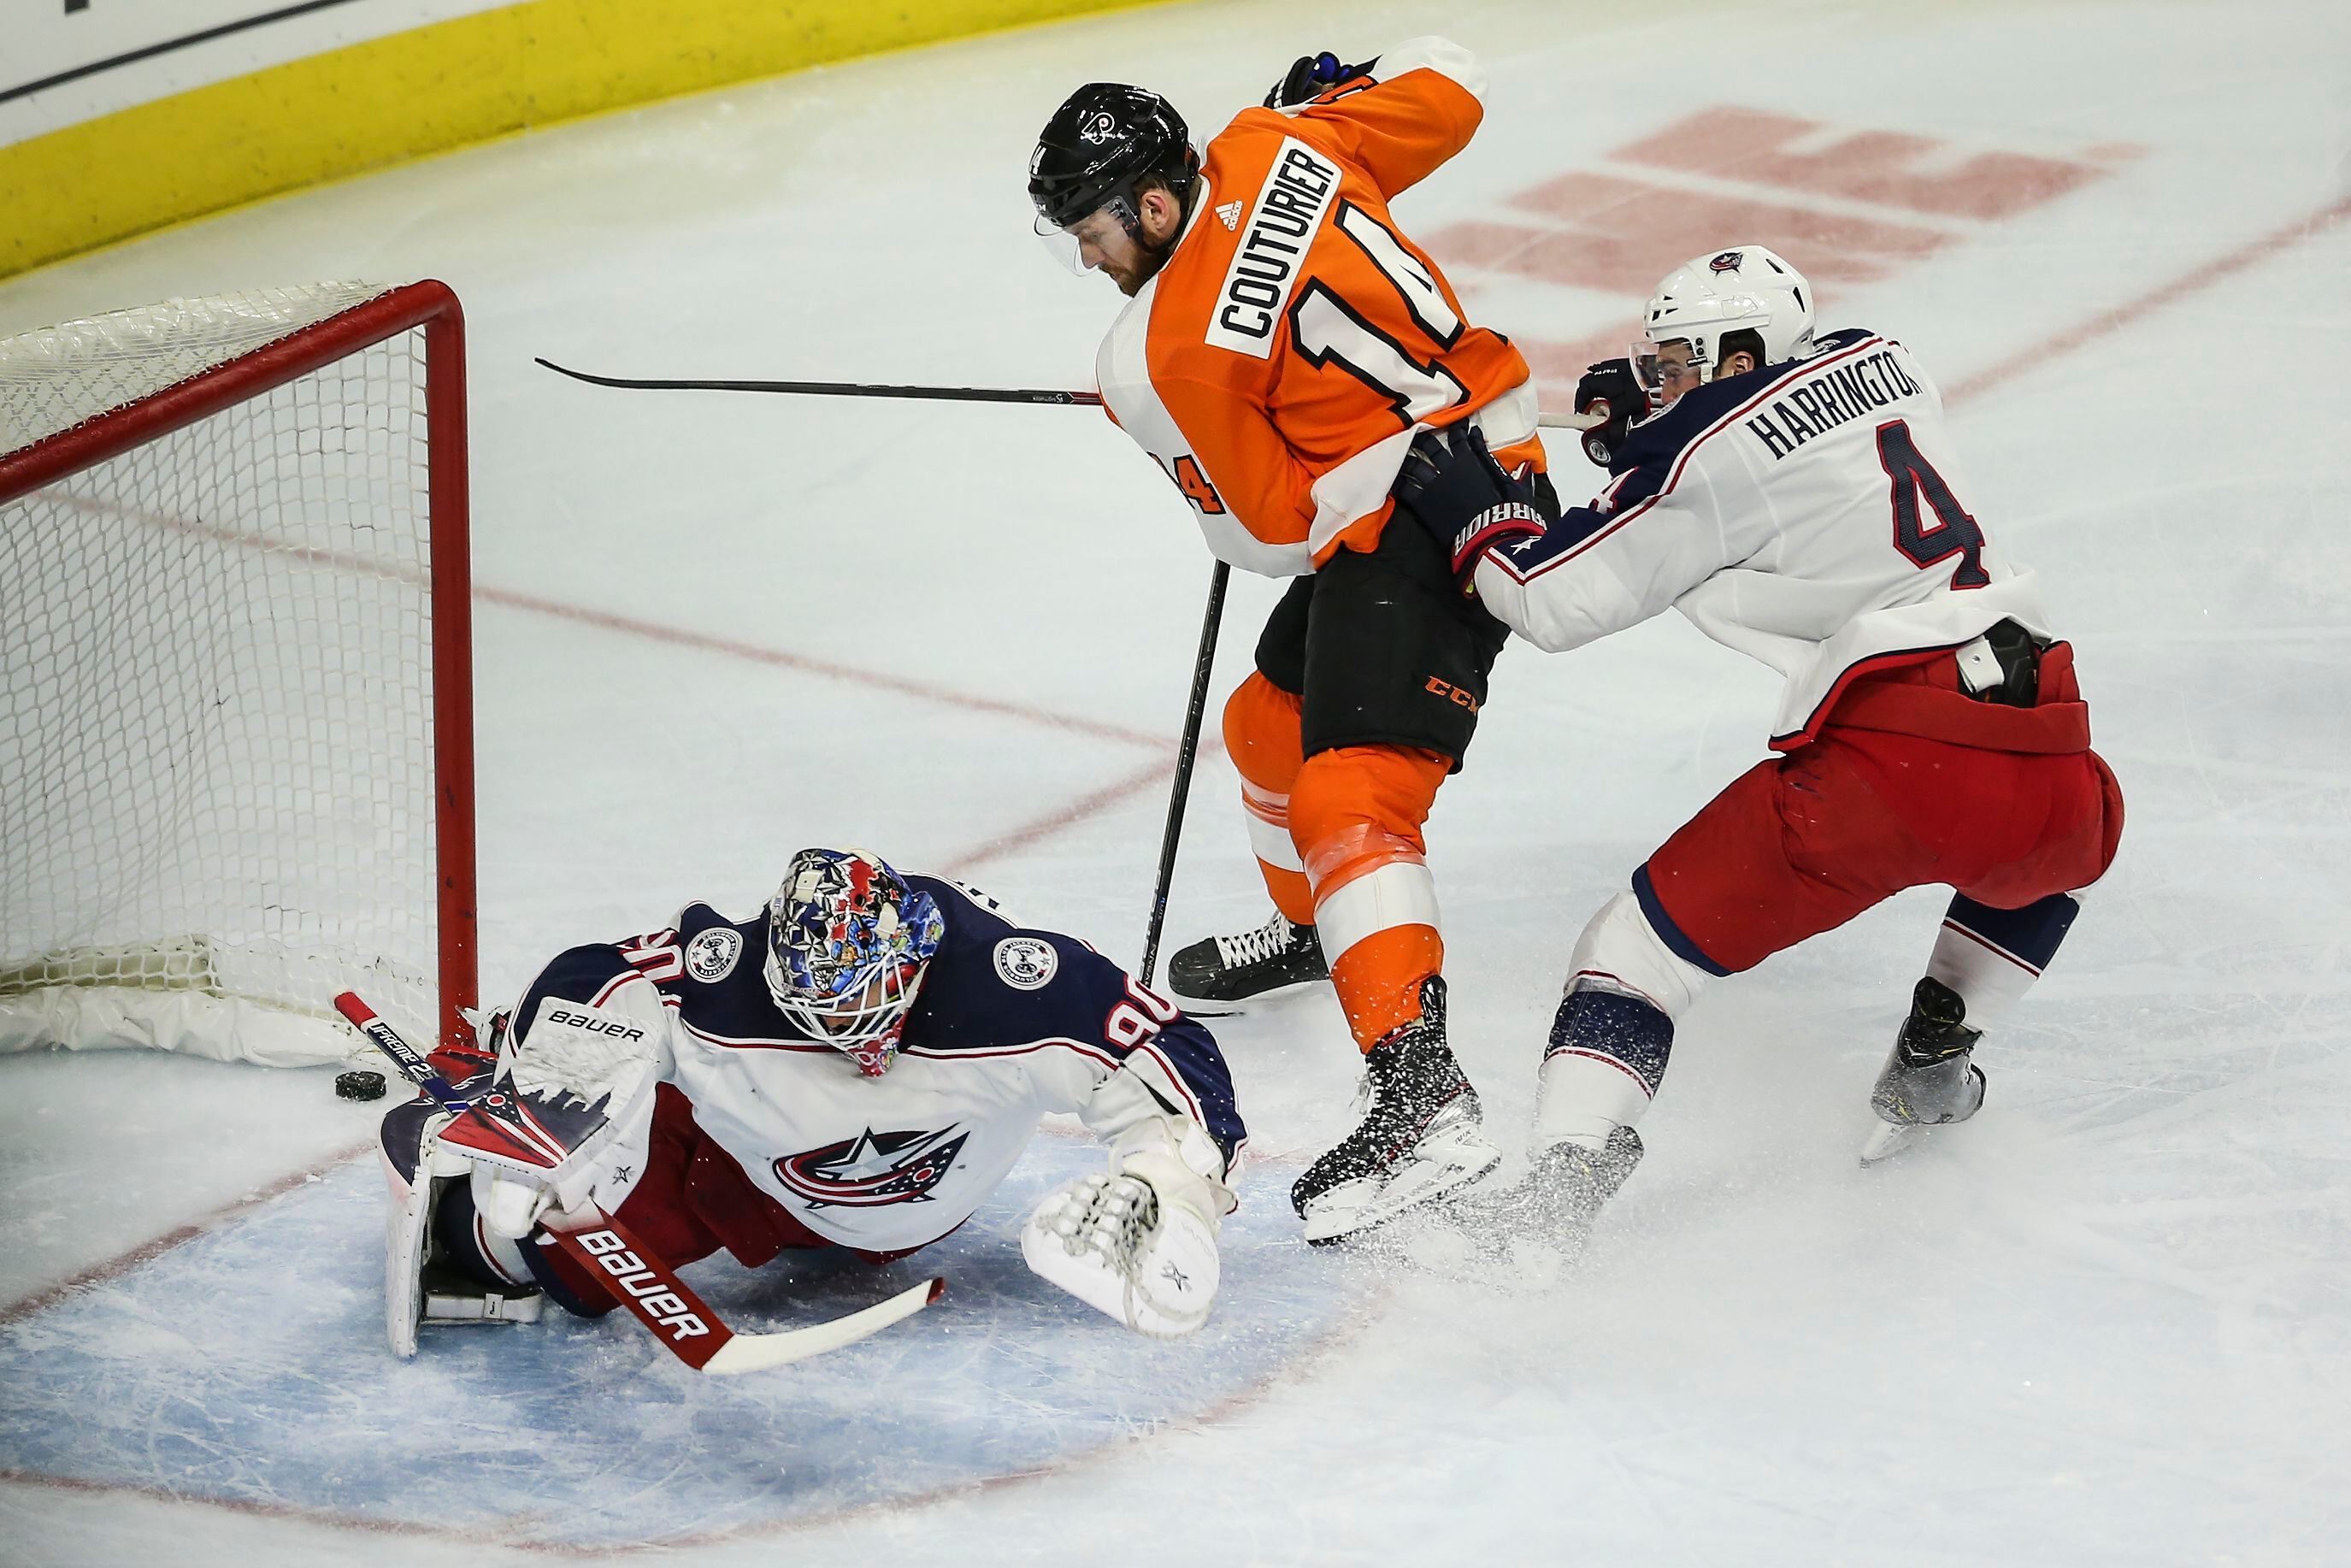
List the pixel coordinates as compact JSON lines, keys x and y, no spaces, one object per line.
{"x":359,"y":1085}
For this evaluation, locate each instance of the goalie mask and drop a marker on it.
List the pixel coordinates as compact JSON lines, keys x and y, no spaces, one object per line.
{"x":1708,"y":297}
{"x":847,"y":941}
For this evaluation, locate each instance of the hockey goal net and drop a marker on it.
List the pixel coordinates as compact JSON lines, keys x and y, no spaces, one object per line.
{"x":236,"y":711}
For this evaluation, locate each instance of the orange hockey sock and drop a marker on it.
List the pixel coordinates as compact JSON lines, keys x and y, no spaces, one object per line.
{"x":1261,"y":737}
{"x":1356,"y":813}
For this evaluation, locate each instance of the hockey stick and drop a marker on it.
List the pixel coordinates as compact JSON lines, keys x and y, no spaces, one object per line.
{"x":638,"y":1279}
{"x":842,"y":388}
{"x":1188,"y":750}
{"x":1045,"y":395}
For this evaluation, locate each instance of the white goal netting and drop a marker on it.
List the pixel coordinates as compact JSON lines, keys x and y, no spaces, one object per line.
{"x":217,"y":771}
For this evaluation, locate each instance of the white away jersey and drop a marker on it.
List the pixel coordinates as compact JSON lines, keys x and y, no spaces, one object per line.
{"x":1011,"y":1025}
{"x":1811,"y":514}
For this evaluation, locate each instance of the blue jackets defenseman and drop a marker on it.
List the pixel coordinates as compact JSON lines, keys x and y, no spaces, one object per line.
{"x":858,"y":1065}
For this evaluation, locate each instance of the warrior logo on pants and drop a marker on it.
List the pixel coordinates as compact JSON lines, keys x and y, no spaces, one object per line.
{"x":873,"y":1169}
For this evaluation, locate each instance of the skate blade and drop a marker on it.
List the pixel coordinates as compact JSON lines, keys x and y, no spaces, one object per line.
{"x":1892,"y":1138}
{"x":1410,"y":1190}
{"x":1240,"y":1007}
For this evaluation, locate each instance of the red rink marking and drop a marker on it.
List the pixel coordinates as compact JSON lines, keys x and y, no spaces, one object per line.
{"x":149,"y":1251}
{"x":1619,"y":227}
{"x":1880,"y":167}
{"x":1607,"y":232}
{"x":2178,"y":289}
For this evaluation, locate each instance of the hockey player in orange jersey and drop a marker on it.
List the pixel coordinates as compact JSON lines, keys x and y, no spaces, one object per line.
{"x":1283,"y":343}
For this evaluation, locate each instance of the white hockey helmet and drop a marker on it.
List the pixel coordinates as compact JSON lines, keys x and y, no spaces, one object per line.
{"x":1743,"y":288}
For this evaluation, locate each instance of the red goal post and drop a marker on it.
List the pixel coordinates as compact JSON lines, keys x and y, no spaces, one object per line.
{"x":236,"y":753}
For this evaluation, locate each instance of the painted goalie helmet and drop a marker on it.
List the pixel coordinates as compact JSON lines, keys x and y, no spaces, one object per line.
{"x":847,"y":943}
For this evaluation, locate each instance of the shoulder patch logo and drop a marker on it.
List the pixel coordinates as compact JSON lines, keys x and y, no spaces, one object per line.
{"x":1026,"y":963}
{"x":1230,"y":214}
{"x":711,"y":956}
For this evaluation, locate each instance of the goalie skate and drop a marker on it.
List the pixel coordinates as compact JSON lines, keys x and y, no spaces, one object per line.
{"x":1416,"y":1136}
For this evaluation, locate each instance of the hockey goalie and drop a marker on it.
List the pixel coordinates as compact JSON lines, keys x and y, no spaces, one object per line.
{"x":856,"y":1066}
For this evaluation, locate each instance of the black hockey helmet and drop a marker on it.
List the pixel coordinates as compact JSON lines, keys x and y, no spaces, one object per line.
{"x":1099,"y":143}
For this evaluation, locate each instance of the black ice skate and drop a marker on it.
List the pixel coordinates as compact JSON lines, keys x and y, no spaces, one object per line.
{"x":1928,"y":1081}
{"x":1273,"y":957}
{"x":1415,"y":1139}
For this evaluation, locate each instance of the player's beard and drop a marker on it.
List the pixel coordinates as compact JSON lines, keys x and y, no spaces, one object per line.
{"x":1130,"y":279}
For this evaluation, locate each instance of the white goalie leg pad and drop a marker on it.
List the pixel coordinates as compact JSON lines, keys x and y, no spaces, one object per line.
{"x":407,"y":1235}
{"x":1139,"y":1242}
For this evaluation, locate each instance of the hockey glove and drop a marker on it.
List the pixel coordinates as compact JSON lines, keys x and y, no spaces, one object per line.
{"x":1611,"y":390}
{"x":1308,"y":78}
{"x":1139,"y":1242}
{"x":1451,"y":483}
{"x":568,"y":1119}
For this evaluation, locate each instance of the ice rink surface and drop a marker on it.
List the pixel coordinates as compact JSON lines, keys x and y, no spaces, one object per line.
{"x":2107,"y":1321}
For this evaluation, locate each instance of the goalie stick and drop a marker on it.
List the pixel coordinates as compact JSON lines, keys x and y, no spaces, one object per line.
{"x":1048,"y":396}
{"x":636,"y":1276}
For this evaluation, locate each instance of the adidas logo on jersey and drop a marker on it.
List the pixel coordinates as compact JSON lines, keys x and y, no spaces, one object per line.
{"x":1231,"y":213}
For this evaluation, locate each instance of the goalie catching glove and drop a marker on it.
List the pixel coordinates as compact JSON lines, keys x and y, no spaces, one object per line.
{"x":1468,"y":501}
{"x":1139,"y":1242}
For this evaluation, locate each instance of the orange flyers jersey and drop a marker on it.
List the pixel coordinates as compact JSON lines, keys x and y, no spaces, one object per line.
{"x":1278,"y":365}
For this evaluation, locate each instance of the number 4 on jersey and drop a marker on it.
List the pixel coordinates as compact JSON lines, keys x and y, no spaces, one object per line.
{"x":1954,"y":534}
{"x":1195,"y":486}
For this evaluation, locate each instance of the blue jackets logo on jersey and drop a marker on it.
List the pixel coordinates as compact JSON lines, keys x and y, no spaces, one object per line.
{"x":873,"y":1169}
{"x":1026,"y":963}
{"x":710,"y":956}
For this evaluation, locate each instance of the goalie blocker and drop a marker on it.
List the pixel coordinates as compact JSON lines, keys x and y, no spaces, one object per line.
{"x":856,"y":1067}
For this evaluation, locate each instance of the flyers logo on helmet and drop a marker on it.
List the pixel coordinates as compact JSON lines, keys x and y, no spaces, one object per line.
{"x":1099,"y":128}
{"x":873,"y":1169}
